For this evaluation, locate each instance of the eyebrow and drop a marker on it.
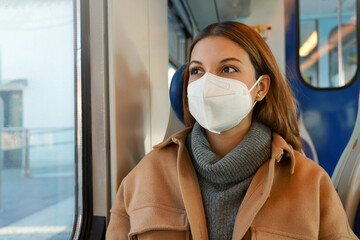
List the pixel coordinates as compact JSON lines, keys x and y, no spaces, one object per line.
{"x":195,"y":61}
{"x":230,"y":59}
{"x":222,"y":61}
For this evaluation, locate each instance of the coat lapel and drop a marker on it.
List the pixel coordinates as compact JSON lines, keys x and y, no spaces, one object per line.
{"x":191,"y":194}
{"x":260,"y":187}
{"x":189,"y":185}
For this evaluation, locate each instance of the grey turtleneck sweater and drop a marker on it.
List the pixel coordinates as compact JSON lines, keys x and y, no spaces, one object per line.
{"x":224,"y":181}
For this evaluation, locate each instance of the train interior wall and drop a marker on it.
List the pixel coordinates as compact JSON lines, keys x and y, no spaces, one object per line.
{"x":138,"y":84}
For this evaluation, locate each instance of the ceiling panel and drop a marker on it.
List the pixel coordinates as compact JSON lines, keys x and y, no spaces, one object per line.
{"x":203,"y":11}
{"x":232,"y":9}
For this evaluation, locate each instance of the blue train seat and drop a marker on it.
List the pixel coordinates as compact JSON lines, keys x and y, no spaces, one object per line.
{"x":176,"y":91}
{"x":346,"y":177}
{"x":307,"y":144}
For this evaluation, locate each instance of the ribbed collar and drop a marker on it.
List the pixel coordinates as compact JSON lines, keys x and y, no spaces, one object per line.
{"x":240,"y":163}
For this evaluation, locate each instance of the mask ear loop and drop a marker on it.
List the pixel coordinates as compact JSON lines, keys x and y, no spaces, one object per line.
{"x":256,"y":83}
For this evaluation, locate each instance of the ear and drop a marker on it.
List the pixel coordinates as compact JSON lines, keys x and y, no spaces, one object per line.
{"x":263,"y":87}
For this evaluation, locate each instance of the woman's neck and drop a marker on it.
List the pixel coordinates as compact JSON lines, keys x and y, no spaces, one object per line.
{"x":221,"y":144}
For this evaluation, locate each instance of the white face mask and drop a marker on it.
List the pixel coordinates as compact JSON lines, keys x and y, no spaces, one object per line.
{"x":219,"y":104}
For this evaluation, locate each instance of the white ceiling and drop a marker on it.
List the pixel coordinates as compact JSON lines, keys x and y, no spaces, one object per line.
{"x":209,"y":11}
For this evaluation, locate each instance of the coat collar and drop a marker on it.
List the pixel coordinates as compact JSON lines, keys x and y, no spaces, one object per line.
{"x":279,"y":149}
{"x":175,"y":138}
{"x":255,"y":198}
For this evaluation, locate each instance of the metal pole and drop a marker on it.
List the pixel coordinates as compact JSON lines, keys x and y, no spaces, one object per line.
{"x":26,"y":163}
{"x":339,"y":32}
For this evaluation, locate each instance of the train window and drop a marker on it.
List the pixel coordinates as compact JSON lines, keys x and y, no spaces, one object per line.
{"x":177,"y":38}
{"x":177,"y":43}
{"x":171,"y":71}
{"x":37,"y":86}
{"x":327,"y":42}
{"x":349,"y":53}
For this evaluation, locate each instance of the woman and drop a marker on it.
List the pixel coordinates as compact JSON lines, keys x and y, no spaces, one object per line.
{"x":236,"y":172}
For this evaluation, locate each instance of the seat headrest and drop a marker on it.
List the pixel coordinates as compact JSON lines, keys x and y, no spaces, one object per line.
{"x":175,"y":91}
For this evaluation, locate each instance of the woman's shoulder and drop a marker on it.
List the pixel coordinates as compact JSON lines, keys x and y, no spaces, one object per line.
{"x":293,"y":160}
{"x":307,"y":165}
{"x":153,"y":182}
{"x":157,"y":161}
{"x":307,"y":183}
{"x":160,"y":161}
{"x":311,"y":174}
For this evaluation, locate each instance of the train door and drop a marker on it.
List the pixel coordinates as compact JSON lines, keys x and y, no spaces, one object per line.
{"x":322,"y":57}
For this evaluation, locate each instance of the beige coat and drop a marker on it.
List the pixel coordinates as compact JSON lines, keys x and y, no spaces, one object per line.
{"x":290,"y":197}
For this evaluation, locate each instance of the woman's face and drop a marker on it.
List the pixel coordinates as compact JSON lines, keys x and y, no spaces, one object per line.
{"x":222,"y":57}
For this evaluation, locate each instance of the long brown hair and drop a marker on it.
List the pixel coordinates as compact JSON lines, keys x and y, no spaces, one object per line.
{"x":278,"y":109}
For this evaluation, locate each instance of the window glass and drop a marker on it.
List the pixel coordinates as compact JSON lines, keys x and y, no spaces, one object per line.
{"x":177,"y":43}
{"x":171,"y":71}
{"x":349,"y":53}
{"x":37,"y":118}
{"x":327,"y":42}
{"x":176,"y":37}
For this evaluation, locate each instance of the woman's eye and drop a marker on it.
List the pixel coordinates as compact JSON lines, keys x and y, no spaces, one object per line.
{"x":228,"y":69}
{"x":195,"y":71}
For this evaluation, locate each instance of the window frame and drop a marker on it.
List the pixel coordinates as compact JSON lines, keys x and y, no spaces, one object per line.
{"x":83,"y":140}
{"x":357,"y":72}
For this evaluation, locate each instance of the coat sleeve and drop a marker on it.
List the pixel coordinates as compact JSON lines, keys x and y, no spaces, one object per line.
{"x":119,"y":225}
{"x":333,"y":219}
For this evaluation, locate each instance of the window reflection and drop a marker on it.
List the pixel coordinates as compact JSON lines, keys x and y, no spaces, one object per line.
{"x":176,"y":39}
{"x":349,"y":54}
{"x":171,"y":71}
{"x":327,"y":49}
{"x":309,"y":52}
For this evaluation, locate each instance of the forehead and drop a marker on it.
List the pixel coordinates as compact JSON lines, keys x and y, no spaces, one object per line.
{"x":218,"y":47}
